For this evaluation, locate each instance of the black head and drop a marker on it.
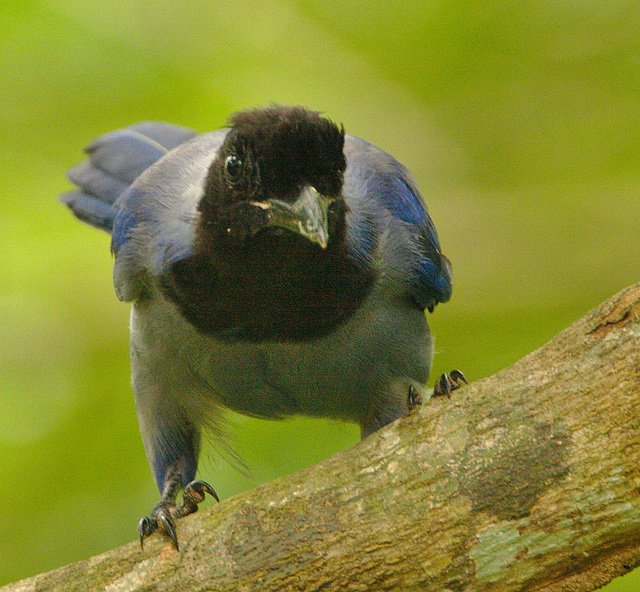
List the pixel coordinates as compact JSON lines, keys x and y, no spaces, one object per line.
{"x":270,"y":156}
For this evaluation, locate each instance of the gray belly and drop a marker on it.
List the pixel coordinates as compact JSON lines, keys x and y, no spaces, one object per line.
{"x":334,"y":376}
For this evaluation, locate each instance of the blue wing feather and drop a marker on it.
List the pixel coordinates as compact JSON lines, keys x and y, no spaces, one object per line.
{"x":430,"y":270}
{"x":124,"y":154}
{"x":403,"y":203}
{"x":114,"y":161}
{"x":376,"y":183}
{"x":159,"y":211}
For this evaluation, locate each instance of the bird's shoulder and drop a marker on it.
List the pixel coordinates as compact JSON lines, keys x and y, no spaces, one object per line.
{"x":156,"y":220}
{"x":390,"y":222}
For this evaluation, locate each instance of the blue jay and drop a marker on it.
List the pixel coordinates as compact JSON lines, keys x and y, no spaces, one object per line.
{"x":277,"y":267}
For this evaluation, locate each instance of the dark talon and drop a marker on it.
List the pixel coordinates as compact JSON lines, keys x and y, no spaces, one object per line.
{"x":168,"y":525}
{"x":146,"y":526}
{"x":447,"y":383}
{"x":192,"y":495}
{"x":160,"y":517}
{"x":414,"y":398}
{"x":200,"y":488}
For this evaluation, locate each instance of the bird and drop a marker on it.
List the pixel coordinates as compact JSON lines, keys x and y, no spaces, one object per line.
{"x":276,"y":267}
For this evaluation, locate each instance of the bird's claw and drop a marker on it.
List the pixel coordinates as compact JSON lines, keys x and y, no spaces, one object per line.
{"x":193,"y":494}
{"x":448,"y":382}
{"x":160,"y":518}
{"x":414,"y":398}
{"x":164,"y":514}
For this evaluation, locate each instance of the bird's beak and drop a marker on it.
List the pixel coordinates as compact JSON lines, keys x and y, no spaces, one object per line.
{"x":307,"y":216}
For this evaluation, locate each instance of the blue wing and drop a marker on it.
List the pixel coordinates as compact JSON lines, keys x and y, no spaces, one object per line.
{"x":389,"y":221}
{"x":115,"y":160}
{"x":430,"y":270}
{"x":121,"y":191}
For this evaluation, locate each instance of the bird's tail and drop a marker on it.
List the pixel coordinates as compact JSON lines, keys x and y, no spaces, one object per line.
{"x":114,"y":161}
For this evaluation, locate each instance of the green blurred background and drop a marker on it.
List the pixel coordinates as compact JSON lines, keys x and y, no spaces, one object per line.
{"x":520,"y":122}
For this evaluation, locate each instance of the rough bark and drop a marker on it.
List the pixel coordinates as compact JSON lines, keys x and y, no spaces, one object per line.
{"x":526,"y":480}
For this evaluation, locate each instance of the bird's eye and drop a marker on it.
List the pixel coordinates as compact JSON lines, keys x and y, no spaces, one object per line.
{"x":233,"y":168}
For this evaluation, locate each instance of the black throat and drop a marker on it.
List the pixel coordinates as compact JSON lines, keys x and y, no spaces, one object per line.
{"x":279,"y":288}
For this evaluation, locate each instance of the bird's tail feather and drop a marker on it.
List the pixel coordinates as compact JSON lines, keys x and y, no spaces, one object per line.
{"x":114,"y":161}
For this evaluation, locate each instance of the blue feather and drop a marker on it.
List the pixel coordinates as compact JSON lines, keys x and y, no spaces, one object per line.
{"x":116,"y":160}
{"x":374,"y":183}
{"x":403,"y":203}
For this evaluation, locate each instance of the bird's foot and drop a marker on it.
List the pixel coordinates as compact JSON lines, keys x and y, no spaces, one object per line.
{"x":192,"y":495}
{"x":414,"y":398}
{"x":160,"y":518}
{"x":448,"y":382}
{"x":164,"y":514}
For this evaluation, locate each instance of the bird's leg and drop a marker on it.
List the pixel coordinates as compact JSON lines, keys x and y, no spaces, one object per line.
{"x":448,"y":382}
{"x":164,"y":514}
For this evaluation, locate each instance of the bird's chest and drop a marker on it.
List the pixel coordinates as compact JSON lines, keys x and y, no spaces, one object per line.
{"x":286,"y":302}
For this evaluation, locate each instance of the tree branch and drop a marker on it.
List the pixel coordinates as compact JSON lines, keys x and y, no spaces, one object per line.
{"x":526,"y":480}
